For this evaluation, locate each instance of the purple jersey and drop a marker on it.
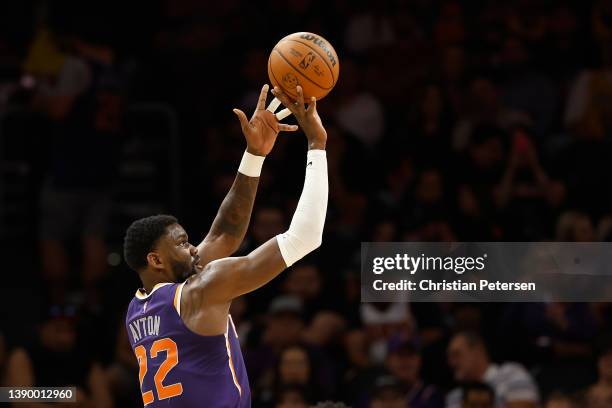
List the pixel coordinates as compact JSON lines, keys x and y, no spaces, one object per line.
{"x":179,"y":368}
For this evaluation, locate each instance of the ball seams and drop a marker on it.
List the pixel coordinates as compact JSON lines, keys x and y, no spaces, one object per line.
{"x":300,"y":72}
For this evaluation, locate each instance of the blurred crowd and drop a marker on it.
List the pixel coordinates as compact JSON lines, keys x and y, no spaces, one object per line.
{"x":453,"y":120}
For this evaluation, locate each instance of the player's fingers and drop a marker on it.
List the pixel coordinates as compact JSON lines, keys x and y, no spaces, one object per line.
{"x":244,"y":122}
{"x":312,"y":106}
{"x":278,"y":93}
{"x":300,"y":97}
{"x":261,"y":103}
{"x":287,"y":128}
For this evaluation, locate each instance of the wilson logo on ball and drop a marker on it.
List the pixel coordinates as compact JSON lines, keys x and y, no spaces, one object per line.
{"x":322,"y":44}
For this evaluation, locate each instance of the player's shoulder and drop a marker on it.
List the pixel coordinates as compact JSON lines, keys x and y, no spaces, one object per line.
{"x":162,"y":293}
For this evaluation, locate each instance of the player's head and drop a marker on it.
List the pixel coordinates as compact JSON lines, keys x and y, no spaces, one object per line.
{"x":159,"y":246}
{"x":467,"y":356}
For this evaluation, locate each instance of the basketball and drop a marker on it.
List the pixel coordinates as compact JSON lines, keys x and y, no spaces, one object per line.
{"x":304,"y":59}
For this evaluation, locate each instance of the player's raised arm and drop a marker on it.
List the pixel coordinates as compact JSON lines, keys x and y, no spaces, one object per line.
{"x":231,"y":223}
{"x":225,"y":279}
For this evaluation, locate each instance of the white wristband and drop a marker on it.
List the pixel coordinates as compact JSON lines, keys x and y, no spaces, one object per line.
{"x":251,"y":165}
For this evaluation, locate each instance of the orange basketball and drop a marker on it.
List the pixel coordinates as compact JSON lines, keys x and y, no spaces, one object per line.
{"x":304,"y":59}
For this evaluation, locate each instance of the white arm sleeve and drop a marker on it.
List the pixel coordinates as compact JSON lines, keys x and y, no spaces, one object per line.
{"x":306,"y":230}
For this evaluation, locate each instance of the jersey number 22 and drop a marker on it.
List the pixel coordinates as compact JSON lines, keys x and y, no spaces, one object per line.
{"x":163,"y":391}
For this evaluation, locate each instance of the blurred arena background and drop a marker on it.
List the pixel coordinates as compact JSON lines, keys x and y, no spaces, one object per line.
{"x":467,"y":120}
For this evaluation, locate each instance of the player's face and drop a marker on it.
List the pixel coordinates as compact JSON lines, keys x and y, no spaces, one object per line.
{"x":182,"y":257}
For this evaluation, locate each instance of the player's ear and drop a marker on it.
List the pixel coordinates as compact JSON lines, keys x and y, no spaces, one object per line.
{"x":154,"y":260}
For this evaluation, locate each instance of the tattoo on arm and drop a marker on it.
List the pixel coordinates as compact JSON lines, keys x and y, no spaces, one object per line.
{"x":235,"y":211}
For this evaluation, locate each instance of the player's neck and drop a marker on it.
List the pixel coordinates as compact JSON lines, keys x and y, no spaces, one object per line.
{"x":149,"y":282}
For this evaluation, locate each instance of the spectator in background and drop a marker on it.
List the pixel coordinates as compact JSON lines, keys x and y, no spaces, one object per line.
{"x":453,"y":76}
{"x":564,"y":49}
{"x":585,"y":167}
{"x":526,"y":195}
{"x":485,"y":153}
{"x":304,"y":281}
{"x":358,"y":112}
{"x":526,"y":89}
{"x":369,"y":29}
{"x":482,"y":164}
{"x":296,"y":367}
{"x":381,"y":321}
{"x":283,"y":327}
{"x":589,"y":109}
{"x":574,"y":226}
{"x":471,"y":221}
{"x":367,"y":347}
{"x":528,"y":20}
{"x":555,"y":337}
{"x":387,"y":393}
{"x":268,"y":221}
{"x":404,"y":362}
{"x":292,"y":396}
{"x":122,"y":374}
{"x":449,"y":27}
{"x":84,"y":106}
{"x":56,"y":359}
{"x":469,"y":360}
{"x":486,"y":108}
{"x":398,"y":180}
{"x":358,"y":373}
{"x":429,"y":129}
{"x":599,"y":395}
{"x":558,"y":400}
{"x":325,"y":329}
{"x":477,"y":395}
{"x":427,"y":218}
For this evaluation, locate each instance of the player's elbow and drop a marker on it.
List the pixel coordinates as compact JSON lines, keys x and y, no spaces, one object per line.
{"x":316,"y":242}
{"x":311,"y":240}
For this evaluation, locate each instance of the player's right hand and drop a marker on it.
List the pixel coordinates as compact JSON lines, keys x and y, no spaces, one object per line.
{"x":261,"y":131}
{"x":308,"y":118}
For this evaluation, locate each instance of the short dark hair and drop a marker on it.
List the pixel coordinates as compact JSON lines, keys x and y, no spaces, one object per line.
{"x":142,"y":236}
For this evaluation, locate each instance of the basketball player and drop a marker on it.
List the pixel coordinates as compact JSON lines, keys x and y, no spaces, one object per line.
{"x":178,"y":324}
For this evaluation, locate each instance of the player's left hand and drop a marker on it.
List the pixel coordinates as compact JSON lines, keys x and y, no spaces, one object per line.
{"x":261,"y":131}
